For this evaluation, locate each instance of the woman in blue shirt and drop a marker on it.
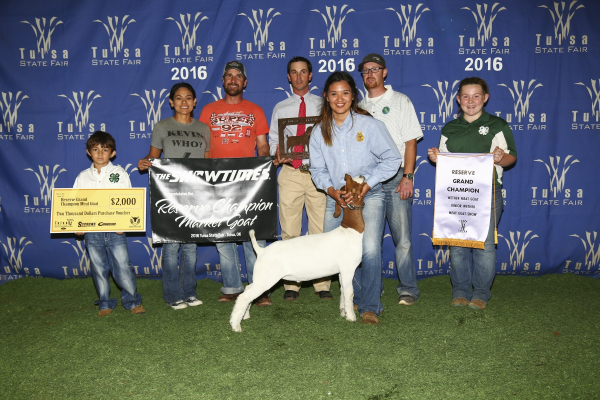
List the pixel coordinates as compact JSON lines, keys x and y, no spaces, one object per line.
{"x":348,"y":140}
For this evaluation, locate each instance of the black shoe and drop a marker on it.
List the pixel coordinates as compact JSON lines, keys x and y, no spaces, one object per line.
{"x":290,"y":295}
{"x":325,"y":294}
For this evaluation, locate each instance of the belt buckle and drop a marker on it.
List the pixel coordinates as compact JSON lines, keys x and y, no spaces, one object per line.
{"x":304,"y":168}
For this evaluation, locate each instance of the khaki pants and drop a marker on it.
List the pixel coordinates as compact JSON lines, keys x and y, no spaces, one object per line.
{"x":296,"y":191}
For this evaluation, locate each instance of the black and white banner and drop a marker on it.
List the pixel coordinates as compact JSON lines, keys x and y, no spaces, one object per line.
{"x":213,"y":200}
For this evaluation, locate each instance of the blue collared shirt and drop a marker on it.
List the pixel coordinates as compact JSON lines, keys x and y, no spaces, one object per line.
{"x":361,"y":146}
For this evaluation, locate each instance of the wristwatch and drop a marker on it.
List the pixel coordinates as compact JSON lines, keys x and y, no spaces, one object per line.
{"x":410,"y":176}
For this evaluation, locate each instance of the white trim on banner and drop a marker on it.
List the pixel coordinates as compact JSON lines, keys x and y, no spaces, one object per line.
{"x":463,"y":194}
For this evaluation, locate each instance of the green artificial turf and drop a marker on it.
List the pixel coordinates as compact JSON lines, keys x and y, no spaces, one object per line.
{"x":538,"y":339}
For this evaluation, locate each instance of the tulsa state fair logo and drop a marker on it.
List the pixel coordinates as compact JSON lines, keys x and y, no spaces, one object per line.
{"x":46,"y":180}
{"x":561,"y":17}
{"x":581,"y":119}
{"x":188,"y":29}
{"x":260,"y":23}
{"x":446,"y":97}
{"x":81,"y":104}
{"x":333,"y":24}
{"x":14,"y":251}
{"x":153,"y":102}
{"x":484,"y":16}
{"x":592,"y":254}
{"x":9,"y":105}
{"x":521,"y":94}
{"x":557,"y":169}
{"x":409,"y":16}
{"x":516,"y":248}
{"x":116,"y":53}
{"x":43,"y":55}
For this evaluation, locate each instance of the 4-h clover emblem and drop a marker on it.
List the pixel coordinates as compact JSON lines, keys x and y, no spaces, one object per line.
{"x":114,"y":178}
{"x":483,"y":130}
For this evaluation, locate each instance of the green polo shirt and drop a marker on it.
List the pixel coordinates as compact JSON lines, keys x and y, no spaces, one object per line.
{"x":479,"y":136}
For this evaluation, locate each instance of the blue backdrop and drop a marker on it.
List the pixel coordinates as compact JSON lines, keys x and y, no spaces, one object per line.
{"x":70,"y":67}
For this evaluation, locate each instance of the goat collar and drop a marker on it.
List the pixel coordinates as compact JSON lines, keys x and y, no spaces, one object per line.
{"x":350,"y":206}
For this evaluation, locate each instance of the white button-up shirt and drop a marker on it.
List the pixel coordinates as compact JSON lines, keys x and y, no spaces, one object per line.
{"x":110,"y":176}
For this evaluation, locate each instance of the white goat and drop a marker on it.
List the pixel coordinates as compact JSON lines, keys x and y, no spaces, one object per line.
{"x":310,"y":257}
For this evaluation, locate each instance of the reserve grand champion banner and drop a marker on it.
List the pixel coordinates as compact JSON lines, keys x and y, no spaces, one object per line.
{"x":463,"y":194}
{"x":213,"y":200}
{"x":70,"y":67}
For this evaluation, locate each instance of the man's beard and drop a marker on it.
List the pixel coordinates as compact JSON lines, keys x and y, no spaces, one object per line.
{"x":233,"y":92}
{"x":371,"y":85}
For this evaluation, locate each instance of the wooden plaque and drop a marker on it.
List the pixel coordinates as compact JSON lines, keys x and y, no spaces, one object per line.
{"x":286,"y":145}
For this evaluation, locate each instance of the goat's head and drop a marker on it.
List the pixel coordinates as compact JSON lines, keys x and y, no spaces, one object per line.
{"x":353,"y":213}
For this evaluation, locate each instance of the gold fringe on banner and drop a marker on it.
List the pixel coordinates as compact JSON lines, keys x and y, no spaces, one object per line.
{"x":458,"y":242}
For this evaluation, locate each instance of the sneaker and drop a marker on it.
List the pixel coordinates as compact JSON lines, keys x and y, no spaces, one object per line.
{"x":138,"y":310}
{"x":406,"y":300}
{"x":228,"y":298}
{"x":105,"y":312}
{"x":459,"y":302}
{"x":290,"y":295}
{"x":324,"y":294}
{"x":178,"y":305}
{"x":193,"y":301}
{"x":477,"y":304}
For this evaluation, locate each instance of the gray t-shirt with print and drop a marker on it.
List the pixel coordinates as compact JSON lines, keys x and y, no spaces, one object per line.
{"x":178,"y":140}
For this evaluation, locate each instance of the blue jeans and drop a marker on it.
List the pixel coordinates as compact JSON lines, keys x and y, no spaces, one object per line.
{"x":108,"y":253}
{"x":367,"y":281}
{"x":472,"y":271}
{"x":230,"y":261}
{"x":399,"y":216}
{"x":178,"y":279}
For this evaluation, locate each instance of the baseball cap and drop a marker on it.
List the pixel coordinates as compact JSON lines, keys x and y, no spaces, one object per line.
{"x":235,"y":65}
{"x":373,"y":57}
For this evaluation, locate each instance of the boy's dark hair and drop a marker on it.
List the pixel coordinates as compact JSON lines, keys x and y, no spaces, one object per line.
{"x":103,"y":139}
{"x":299,"y":59}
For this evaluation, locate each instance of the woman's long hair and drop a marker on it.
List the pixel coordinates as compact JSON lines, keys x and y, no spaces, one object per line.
{"x":326,"y":115}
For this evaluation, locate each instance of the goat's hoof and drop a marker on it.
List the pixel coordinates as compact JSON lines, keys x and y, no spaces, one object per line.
{"x":236,"y":328}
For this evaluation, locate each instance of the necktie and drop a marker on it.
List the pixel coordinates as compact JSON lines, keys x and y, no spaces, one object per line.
{"x":301,"y":131}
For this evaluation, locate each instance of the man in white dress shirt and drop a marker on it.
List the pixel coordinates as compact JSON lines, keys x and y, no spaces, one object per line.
{"x":296,"y":188}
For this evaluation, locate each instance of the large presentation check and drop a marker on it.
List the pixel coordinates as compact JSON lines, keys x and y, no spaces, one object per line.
{"x":98,"y":210}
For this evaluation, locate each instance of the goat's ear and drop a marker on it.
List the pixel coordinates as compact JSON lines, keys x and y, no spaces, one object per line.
{"x":349,"y":182}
